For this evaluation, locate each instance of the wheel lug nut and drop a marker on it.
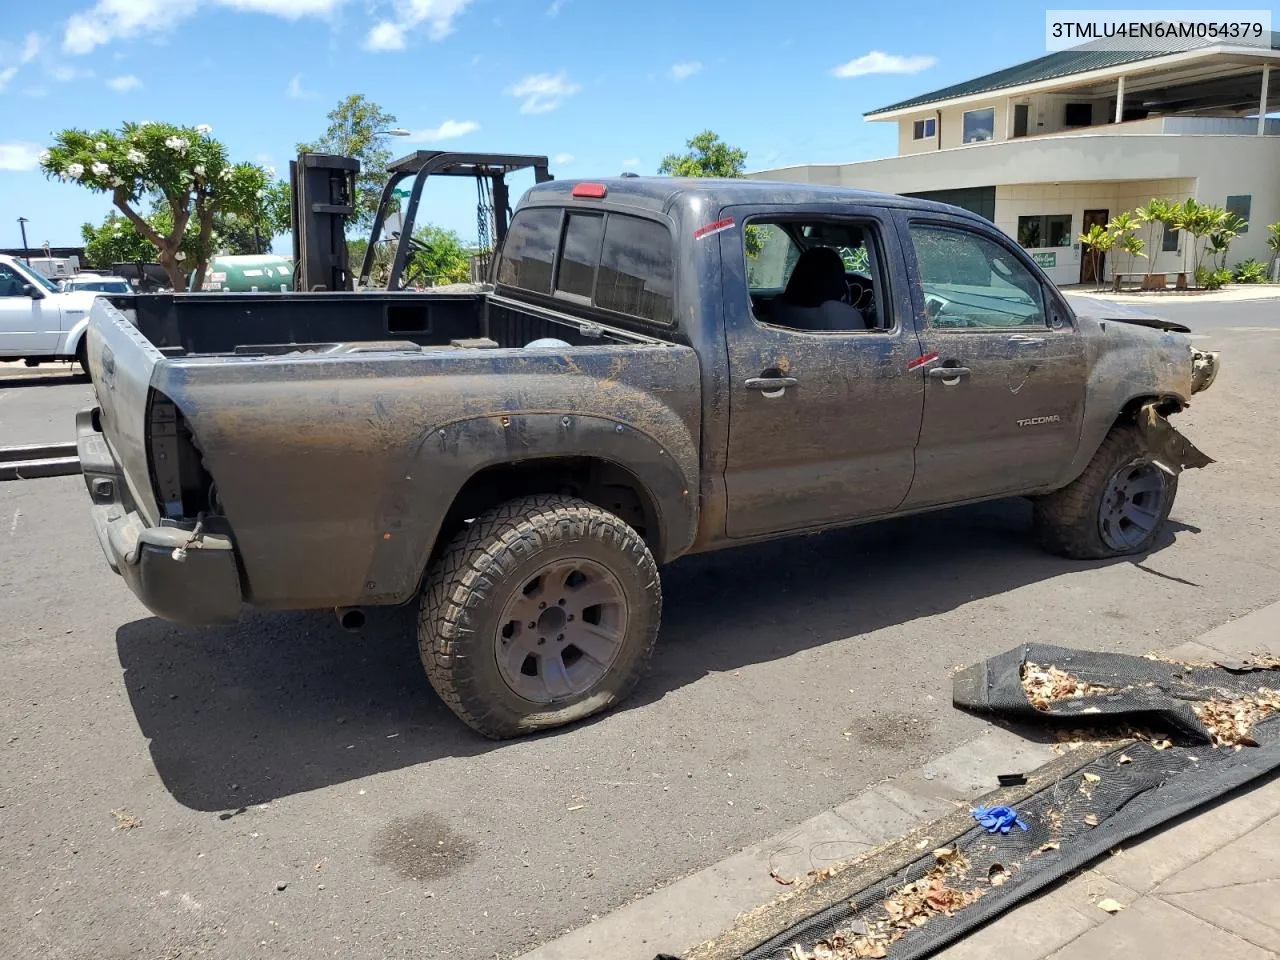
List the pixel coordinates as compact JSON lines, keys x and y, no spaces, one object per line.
{"x":542,"y":605}
{"x":541,"y":641}
{"x":532,"y":624}
{"x":561,"y":601}
{"x":561,"y":637}
{"x":571,"y":616}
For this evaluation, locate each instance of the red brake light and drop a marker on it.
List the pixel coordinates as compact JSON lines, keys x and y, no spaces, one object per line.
{"x":593,"y":191}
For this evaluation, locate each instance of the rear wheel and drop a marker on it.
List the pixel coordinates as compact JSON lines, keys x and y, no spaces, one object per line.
{"x":82,"y":357}
{"x":1115,"y":508}
{"x":543,"y":611}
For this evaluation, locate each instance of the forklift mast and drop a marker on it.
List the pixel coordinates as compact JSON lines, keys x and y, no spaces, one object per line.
{"x":323,"y":191}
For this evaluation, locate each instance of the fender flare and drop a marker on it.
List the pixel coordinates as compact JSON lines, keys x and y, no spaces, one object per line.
{"x":449,"y":455}
{"x":71,"y":342}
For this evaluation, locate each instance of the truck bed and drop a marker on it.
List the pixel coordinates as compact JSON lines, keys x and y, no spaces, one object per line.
{"x":262,"y":323}
{"x":316,"y":443}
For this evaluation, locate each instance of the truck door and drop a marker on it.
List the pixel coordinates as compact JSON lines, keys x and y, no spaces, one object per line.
{"x":27,"y":327}
{"x":1004,"y":388}
{"x":824,"y":412}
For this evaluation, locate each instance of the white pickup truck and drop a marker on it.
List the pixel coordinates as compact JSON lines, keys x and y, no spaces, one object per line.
{"x":37,"y":322}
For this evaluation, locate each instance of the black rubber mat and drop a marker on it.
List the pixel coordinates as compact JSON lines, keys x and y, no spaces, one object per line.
{"x":1122,"y":793}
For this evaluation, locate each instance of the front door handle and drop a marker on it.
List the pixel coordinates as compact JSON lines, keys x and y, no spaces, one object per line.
{"x":770,"y":384}
{"x":948,"y":374}
{"x":1022,"y":340}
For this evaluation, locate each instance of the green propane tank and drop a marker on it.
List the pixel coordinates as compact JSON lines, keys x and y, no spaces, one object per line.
{"x":266,"y":272}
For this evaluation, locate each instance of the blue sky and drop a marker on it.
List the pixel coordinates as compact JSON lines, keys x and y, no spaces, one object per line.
{"x":599,"y":87}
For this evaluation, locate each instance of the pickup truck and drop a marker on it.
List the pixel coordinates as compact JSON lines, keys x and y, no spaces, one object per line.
{"x":37,"y":322}
{"x":659,"y":367}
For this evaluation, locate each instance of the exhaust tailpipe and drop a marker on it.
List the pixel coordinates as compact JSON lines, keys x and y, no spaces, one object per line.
{"x":351,"y":618}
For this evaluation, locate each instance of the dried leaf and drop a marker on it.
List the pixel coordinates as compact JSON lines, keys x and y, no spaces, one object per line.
{"x":944,"y":854}
{"x":997,"y":876}
{"x":1109,"y":905}
{"x":1044,"y":685}
{"x":1124,"y":758}
{"x":1051,"y":845}
{"x":1091,"y":819}
{"x":1092,"y":778}
{"x":785,"y":881}
{"x":1230,"y":722}
{"x":1161,"y":744}
{"x":125,"y":820}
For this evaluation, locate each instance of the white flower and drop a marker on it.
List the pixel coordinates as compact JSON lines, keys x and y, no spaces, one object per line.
{"x":179,"y":255}
{"x":44,"y":156}
{"x":75,"y":170}
{"x":99,"y":146}
{"x":271,"y":173}
{"x":204,"y":129}
{"x":227,"y":174}
{"x":199,"y":169}
{"x":100,"y":169}
{"x":177,"y":143}
{"x":146,"y":123}
{"x":261,"y":194}
{"x":117,"y":182}
{"x":136,"y":156}
{"x":231,"y":218}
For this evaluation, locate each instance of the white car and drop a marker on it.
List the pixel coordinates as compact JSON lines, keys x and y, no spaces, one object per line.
{"x":38,"y":323}
{"x":96,"y":283}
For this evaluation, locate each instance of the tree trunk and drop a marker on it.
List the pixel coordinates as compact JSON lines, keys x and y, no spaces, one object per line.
{"x":165,"y":249}
{"x":204,"y":216}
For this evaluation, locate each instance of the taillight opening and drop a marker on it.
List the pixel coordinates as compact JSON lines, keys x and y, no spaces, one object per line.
{"x":182,"y":486}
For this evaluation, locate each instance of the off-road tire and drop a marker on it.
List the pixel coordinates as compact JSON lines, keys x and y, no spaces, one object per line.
{"x":1067,"y":521}
{"x":469,"y":584}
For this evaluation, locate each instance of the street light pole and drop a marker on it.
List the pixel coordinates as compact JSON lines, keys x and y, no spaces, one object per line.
{"x":26,"y":254}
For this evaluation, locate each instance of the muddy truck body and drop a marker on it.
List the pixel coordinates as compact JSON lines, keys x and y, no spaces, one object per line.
{"x":659,"y":367}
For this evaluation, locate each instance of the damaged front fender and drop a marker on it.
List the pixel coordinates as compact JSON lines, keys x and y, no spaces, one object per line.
{"x":1170,"y":450}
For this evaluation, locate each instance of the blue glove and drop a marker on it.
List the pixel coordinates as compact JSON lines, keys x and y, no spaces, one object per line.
{"x":998,"y":819}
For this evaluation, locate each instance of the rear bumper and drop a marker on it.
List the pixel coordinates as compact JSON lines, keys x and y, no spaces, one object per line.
{"x":177,"y":578}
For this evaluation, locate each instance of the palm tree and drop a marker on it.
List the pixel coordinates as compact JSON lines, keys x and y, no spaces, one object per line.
{"x":1123,"y":225}
{"x":1156,"y":211}
{"x":1228,"y":229}
{"x":1134,"y":247}
{"x":1273,"y":244}
{"x":1097,"y":241}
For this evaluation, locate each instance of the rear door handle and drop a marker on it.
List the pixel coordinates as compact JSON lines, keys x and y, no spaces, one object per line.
{"x":769,"y":384}
{"x":948,"y":373}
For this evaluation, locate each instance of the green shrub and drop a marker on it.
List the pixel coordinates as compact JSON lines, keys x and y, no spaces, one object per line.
{"x":1207,"y":279}
{"x":1249,"y":271}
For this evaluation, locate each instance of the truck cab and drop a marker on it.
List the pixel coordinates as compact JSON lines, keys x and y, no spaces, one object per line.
{"x":38,"y":323}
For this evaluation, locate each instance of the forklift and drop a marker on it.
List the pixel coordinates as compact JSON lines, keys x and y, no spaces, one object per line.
{"x":323,"y":190}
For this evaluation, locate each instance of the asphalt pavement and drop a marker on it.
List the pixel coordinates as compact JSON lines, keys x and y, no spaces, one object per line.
{"x":282,"y":788}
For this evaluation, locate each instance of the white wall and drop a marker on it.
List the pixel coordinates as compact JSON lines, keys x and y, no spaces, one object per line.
{"x":1218,"y":165}
{"x":1018,"y":200}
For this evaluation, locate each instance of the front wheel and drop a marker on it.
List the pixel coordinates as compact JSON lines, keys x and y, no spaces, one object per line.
{"x":543,"y":611}
{"x":1115,"y":508}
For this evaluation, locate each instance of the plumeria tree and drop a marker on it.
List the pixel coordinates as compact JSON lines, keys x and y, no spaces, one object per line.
{"x":183,"y":170}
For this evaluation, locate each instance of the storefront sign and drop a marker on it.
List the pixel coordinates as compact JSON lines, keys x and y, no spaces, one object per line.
{"x":1047,"y":259}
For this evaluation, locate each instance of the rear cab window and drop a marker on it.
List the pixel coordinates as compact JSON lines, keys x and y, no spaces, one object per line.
{"x":616,"y":263}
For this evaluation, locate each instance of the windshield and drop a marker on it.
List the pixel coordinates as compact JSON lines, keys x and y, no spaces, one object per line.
{"x":100,"y":286}
{"x":38,"y":279}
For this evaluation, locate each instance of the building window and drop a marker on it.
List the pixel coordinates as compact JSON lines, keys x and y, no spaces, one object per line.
{"x":1078,"y":115}
{"x":1170,"y":242}
{"x":979,"y":200}
{"x":1239,"y":205}
{"x":979,"y":125}
{"x":924,"y":129}
{"x":1047,"y":230}
{"x":1021,"y":119}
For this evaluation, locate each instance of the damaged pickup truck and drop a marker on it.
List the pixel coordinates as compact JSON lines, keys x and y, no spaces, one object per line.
{"x":659,"y":367}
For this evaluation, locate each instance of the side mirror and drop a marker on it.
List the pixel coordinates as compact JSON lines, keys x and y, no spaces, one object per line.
{"x":29,"y":290}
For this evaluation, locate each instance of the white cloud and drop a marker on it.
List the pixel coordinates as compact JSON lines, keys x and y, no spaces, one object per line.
{"x":109,"y":20}
{"x":630,"y":163}
{"x":556,"y":7}
{"x":125,"y":83}
{"x":449,"y":130}
{"x":878,"y":62}
{"x":296,"y":91}
{"x":562,"y":159}
{"x":19,"y":156}
{"x":542,"y":93}
{"x":7,"y":74}
{"x":683,"y":71}
{"x":30,"y":48}
{"x":65,"y":74}
{"x":438,"y":15}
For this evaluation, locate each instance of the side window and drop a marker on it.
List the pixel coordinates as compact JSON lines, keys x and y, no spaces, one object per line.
{"x":816,"y":275}
{"x":10,"y":283}
{"x":972,"y":281}
{"x":529,"y":249}
{"x":636,"y":269}
{"x":576,"y":274}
